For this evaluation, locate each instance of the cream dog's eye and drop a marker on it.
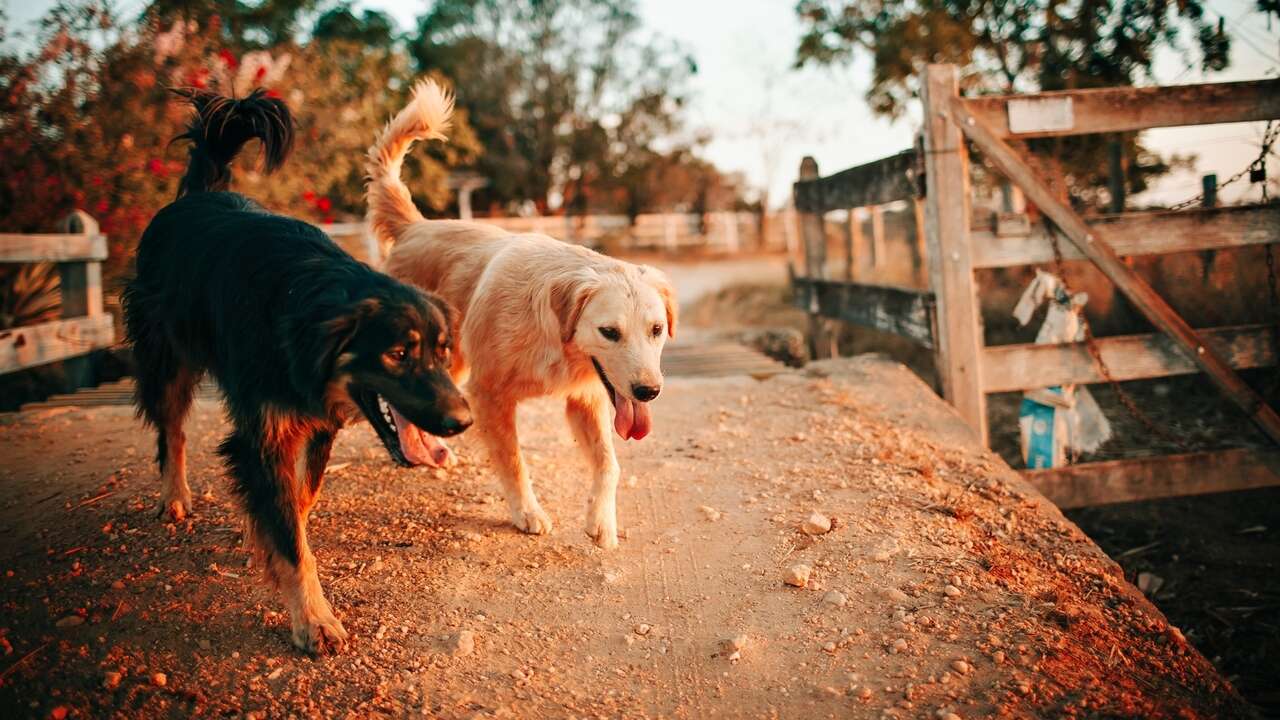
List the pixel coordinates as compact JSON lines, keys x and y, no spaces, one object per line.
{"x":612,"y":334}
{"x":657,"y":330}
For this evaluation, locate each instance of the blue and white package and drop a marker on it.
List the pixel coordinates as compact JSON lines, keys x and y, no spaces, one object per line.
{"x":1043,"y":427}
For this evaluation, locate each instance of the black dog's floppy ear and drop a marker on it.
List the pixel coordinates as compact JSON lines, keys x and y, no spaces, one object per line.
{"x":330,"y":339}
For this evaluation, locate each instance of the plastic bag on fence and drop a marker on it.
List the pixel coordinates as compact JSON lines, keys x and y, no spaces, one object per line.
{"x":1055,"y":419}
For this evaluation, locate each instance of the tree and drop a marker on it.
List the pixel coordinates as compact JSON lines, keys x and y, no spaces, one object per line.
{"x":371,"y":28}
{"x":86,"y":121}
{"x":256,"y":24}
{"x":566,"y":96}
{"x":1008,"y":46}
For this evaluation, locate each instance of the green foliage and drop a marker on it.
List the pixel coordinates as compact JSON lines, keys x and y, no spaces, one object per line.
{"x":568,"y":97}
{"x":341,"y":91}
{"x":371,"y":28}
{"x":1005,"y":45}
{"x":248,"y":25}
{"x":1010,"y":46}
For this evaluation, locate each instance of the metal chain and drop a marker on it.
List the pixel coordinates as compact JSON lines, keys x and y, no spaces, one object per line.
{"x":1269,"y":137}
{"x":1091,"y":344}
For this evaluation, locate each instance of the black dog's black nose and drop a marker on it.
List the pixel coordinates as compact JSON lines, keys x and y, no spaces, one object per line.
{"x":645,"y":393}
{"x":455,"y":424}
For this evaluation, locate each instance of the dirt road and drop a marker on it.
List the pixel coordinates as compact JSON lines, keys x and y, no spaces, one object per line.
{"x":945,"y":588}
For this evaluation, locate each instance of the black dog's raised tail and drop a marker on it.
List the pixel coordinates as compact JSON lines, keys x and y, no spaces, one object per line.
{"x":219,"y":129}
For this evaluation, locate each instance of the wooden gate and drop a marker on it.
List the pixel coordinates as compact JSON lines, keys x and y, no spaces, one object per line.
{"x":969,"y":371}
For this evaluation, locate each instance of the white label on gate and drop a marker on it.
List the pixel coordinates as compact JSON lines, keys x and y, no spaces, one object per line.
{"x":1040,"y":115}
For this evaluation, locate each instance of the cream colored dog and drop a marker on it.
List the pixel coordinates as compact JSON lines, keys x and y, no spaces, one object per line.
{"x":539,"y":317}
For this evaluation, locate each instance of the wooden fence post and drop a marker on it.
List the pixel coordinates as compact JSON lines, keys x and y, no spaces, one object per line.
{"x":920,"y":267}
{"x":1209,"y":188}
{"x":814,"y":240}
{"x":947,"y":213}
{"x":879,"y":254}
{"x":860,"y":267}
{"x":852,"y":238}
{"x":81,"y":290}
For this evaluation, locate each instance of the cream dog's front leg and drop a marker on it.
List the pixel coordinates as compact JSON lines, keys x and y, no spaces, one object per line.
{"x":589,"y":417}
{"x":496,"y":423}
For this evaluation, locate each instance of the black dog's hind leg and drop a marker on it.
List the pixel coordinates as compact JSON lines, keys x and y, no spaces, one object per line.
{"x":277,"y":494}
{"x":164,"y":391}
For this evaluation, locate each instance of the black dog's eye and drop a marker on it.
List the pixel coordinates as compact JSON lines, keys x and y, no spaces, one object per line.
{"x":657,"y":330}
{"x":611,"y":334}
{"x":396,"y":354}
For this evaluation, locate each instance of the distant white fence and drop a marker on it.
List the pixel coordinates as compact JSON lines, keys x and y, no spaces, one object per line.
{"x":716,"y":232}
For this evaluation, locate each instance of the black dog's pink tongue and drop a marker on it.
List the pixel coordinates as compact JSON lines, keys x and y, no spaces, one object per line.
{"x":419,"y":447}
{"x":630,"y":419}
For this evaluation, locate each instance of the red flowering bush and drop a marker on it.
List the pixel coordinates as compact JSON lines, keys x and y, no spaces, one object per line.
{"x":88,"y":124}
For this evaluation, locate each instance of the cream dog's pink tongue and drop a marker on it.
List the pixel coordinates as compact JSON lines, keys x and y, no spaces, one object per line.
{"x":630,"y":419}
{"x":419,"y":447}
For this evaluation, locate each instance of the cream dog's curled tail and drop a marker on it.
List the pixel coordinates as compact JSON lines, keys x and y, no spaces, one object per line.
{"x":426,"y":117}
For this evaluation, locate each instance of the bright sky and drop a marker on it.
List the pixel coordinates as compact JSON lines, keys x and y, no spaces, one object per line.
{"x":763,"y":116}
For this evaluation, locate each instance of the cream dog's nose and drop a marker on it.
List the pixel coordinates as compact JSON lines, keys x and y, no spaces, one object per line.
{"x":645,"y":393}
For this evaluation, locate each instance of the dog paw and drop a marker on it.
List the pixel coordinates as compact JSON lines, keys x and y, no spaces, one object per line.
{"x":175,"y":505}
{"x":320,"y":635}
{"x":533,"y":520}
{"x":604,"y":532}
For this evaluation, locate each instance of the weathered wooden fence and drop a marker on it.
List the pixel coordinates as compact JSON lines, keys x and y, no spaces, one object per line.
{"x":84,"y":325}
{"x":968,"y":369}
{"x":901,"y":310}
{"x":714,"y":232}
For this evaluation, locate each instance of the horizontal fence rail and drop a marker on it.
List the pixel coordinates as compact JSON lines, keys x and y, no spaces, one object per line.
{"x":1144,"y":233}
{"x":901,"y":311}
{"x":1122,"y":109}
{"x":1006,"y":368}
{"x":1147,"y":478}
{"x":64,"y":247}
{"x":876,"y":183}
{"x":32,"y":345}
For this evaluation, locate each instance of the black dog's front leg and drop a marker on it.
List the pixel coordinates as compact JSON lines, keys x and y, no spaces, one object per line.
{"x":276,"y":502}
{"x":319,"y":447}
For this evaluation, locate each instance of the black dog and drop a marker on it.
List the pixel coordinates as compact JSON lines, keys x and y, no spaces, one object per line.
{"x":301,"y":338}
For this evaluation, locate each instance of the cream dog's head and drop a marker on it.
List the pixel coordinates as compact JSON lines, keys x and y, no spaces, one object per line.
{"x":620,"y":319}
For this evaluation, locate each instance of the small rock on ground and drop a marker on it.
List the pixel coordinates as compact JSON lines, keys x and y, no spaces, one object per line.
{"x":797,"y":575}
{"x":464,"y":643}
{"x":816,"y":524}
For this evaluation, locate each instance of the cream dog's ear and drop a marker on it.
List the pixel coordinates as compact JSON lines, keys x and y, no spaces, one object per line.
{"x":569,"y":296}
{"x":666,"y":291}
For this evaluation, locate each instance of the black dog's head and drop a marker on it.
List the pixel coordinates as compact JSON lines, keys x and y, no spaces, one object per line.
{"x":394,"y":352}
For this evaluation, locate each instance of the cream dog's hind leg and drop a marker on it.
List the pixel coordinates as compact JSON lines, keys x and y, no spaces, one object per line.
{"x":588,"y":415}
{"x":496,"y":422}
